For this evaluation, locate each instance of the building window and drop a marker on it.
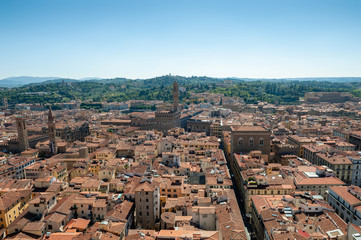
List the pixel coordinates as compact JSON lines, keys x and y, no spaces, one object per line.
{"x":251,"y":142}
{"x":261,"y":142}
{"x":240,"y":142}
{"x":50,"y":227}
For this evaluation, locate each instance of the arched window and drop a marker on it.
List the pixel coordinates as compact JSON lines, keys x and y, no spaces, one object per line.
{"x":261,"y":142}
{"x":251,"y":142}
{"x":240,"y":142}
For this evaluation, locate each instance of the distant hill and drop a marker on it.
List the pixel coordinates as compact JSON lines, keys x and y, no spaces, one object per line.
{"x":163,"y":80}
{"x":282,"y":91}
{"x":58,"y":80}
{"x":24,"y":80}
{"x":328,"y":79}
{"x":318,"y":79}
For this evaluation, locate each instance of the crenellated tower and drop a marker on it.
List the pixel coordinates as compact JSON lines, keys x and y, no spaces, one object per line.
{"x":175,"y":96}
{"x":51,"y":127}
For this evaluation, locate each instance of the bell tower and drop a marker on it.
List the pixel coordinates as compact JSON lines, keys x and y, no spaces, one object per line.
{"x":51,"y":127}
{"x":22,"y":133}
{"x":175,"y":96}
{"x":5,"y":104}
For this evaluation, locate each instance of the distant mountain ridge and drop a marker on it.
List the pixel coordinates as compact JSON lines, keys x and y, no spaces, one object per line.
{"x":26,"y":80}
{"x":23,"y":80}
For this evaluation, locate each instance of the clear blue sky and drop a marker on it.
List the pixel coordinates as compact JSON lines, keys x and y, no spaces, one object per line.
{"x":147,"y":38}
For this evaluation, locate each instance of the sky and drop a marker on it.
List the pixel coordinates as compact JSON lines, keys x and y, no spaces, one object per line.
{"x":148,"y":38}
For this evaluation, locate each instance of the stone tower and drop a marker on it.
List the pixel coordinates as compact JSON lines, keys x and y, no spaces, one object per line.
{"x":22,"y":133}
{"x":5,"y":104}
{"x":175,"y":96}
{"x":51,"y":127}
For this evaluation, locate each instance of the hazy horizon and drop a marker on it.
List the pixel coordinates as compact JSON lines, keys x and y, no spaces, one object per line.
{"x":120,"y":77}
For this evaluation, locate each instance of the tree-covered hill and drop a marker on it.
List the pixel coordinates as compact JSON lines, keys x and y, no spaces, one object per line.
{"x":160,"y":88}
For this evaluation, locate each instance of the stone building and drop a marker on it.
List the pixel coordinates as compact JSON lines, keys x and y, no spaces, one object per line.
{"x":355,"y":138}
{"x":5,"y":104}
{"x":22,"y":142}
{"x":73,"y":133}
{"x":165,"y":120}
{"x":22,"y":134}
{"x":245,"y":139}
{"x":199,"y":126}
{"x":147,"y":205}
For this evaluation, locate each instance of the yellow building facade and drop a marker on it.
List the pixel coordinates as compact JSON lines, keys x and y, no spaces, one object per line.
{"x":12,"y":204}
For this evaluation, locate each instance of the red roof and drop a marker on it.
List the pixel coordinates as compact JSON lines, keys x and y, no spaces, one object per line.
{"x":303,"y":233}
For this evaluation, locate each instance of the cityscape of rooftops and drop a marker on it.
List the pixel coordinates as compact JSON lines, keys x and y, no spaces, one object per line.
{"x":180,"y":120}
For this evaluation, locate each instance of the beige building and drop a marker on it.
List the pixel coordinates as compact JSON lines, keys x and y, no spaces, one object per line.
{"x":42,"y":204}
{"x":300,"y":142}
{"x":106,"y":173}
{"x":317,"y":179}
{"x":147,"y":205}
{"x":342,"y":166}
{"x":297,"y":216}
{"x":264,"y":185}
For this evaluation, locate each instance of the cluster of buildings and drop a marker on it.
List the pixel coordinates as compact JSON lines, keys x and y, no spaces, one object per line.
{"x":114,"y":180}
{"x":215,"y":169}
